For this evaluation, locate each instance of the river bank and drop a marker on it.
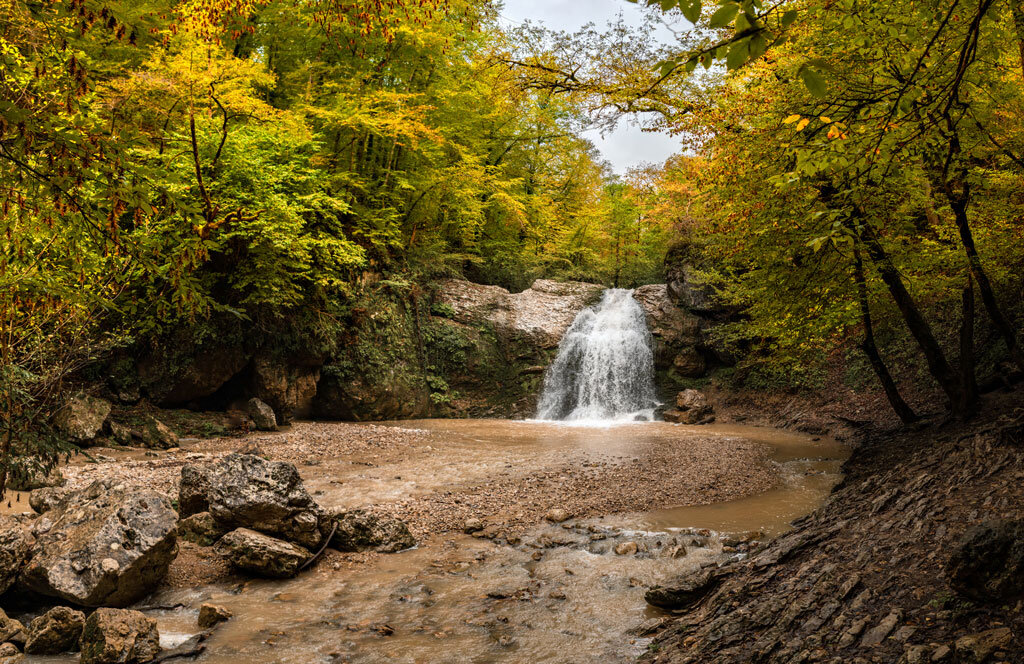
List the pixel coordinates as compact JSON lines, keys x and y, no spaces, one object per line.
{"x":871,"y":576}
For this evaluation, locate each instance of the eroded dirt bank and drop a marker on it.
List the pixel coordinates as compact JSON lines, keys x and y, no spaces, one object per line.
{"x":866,"y":578}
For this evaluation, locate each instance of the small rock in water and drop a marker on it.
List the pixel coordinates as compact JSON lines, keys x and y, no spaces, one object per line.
{"x":626,"y":549}
{"x":119,"y":636}
{"x":211,"y":615}
{"x":557,"y":515}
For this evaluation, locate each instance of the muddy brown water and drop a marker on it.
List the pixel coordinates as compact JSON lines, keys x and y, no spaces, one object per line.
{"x":560,"y":595}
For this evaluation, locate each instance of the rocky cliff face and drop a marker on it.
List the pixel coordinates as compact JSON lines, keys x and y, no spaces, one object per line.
{"x":466,"y":350}
{"x":538,"y":316}
{"x":509,"y":340}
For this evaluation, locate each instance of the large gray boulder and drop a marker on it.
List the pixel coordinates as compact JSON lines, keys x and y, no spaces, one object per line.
{"x":56,"y":631}
{"x":194,"y":489}
{"x":157,"y":435}
{"x":119,"y":636}
{"x":359,"y":530}
{"x":81,"y":418}
{"x":262,"y":555}
{"x":988,"y":563}
{"x":261,"y":414}
{"x":15,"y":543}
{"x":105,"y":546}
{"x":246,"y":491}
{"x":28,"y":478}
{"x":45,"y":499}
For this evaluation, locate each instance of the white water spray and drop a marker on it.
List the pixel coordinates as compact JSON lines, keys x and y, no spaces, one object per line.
{"x":605,"y":365}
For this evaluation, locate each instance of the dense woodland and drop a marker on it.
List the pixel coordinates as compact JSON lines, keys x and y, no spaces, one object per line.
{"x":851,"y":185}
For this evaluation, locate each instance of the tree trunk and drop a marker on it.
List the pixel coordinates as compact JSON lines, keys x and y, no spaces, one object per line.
{"x":968,"y":379}
{"x":959,"y":204}
{"x":938,"y":365}
{"x":1018,"y":22}
{"x":870,"y":348}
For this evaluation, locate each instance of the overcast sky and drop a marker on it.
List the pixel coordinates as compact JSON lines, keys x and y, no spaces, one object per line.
{"x":626,"y":146}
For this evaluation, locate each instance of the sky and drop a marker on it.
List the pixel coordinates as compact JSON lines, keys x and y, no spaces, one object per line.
{"x":627,"y":145}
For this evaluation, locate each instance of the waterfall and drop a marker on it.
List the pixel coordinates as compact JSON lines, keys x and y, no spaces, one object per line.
{"x":605,"y":365}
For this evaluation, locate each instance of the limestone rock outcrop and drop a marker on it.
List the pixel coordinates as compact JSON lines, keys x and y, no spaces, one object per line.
{"x":105,"y":546}
{"x":539,"y":315}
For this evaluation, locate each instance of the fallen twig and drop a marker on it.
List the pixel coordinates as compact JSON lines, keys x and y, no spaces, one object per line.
{"x":322,"y":548}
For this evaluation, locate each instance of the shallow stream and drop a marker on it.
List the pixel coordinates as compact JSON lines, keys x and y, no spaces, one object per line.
{"x":560,"y":594}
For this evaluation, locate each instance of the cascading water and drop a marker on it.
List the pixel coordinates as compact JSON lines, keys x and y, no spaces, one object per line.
{"x":605,"y":365}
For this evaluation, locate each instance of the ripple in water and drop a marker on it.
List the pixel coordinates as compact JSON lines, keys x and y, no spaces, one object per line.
{"x":604,"y":371}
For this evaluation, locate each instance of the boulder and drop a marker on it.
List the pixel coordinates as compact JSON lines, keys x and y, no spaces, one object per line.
{"x":81,"y":418}
{"x":674,"y":329}
{"x":47,"y":498}
{"x":30,"y":479}
{"x":156,"y":435}
{"x":685,"y":592}
{"x":244,"y":490}
{"x":359,"y":530}
{"x":692,"y":407}
{"x":9,"y":654}
{"x":260,"y":554}
{"x":56,"y":631}
{"x":684,"y":284}
{"x":119,"y":636}
{"x":626,"y":548}
{"x":104,"y":546}
{"x":15,"y":544}
{"x":261,"y":414}
{"x":120,"y":433}
{"x":211,"y":615}
{"x":287,"y":388}
{"x":200,"y":529}
{"x":10,"y":629}
{"x":556,"y":515}
{"x":988,"y":563}
{"x":976,"y":648}
{"x":193,"y":490}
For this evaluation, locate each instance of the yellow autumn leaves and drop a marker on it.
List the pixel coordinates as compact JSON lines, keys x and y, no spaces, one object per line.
{"x":834,"y":131}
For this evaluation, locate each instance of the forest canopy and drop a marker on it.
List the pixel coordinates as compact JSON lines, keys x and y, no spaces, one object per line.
{"x":851,"y":175}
